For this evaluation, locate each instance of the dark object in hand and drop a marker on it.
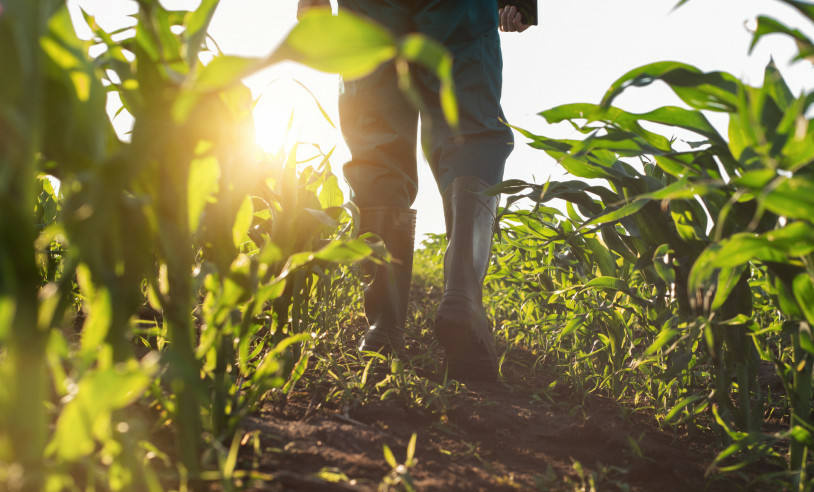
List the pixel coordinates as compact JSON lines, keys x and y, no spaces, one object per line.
{"x":527,"y":9}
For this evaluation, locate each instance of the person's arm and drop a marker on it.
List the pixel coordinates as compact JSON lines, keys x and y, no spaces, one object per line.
{"x":304,"y":5}
{"x":510,"y":20}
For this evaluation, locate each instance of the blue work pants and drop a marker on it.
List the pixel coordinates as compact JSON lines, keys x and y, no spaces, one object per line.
{"x":380,"y":125}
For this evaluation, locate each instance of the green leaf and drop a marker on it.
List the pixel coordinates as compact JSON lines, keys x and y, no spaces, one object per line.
{"x":321,"y":109}
{"x":612,"y":283}
{"x":577,"y":322}
{"x":795,"y":239}
{"x":411,"y":449}
{"x":231,"y":458}
{"x":793,"y":197}
{"x":8,"y":308}
{"x":690,"y":220}
{"x":296,"y":373}
{"x":779,"y":97}
{"x":88,"y":414}
{"x":72,"y":438}
{"x":97,"y":324}
{"x":673,"y":413}
{"x":578,"y":167}
{"x":806,"y":338}
{"x":664,"y":337}
{"x":617,"y":245}
{"x":663,"y":264}
{"x":616,"y":214}
{"x":722,"y":423}
{"x":792,"y":241}
{"x":768,"y":25}
{"x":728,"y":279}
{"x":243,"y":221}
{"x":388,"y":456}
{"x":323,"y":217}
{"x":197,"y":23}
{"x":154,"y":35}
{"x":344,"y":251}
{"x":624,"y":143}
{"x":330,"y":195}
{"x":118,"y":387}
{"x":785,"y":298}
{"x":602,"y":257}
{"x":224,"y":71}
{"x":803,"y":286}
{"x":269,"y":372}
{"x":679,"y":190}
{"x":427,"y":52}
{"x":77,"y":131}
{"x":346,"y":44}
{"x":510,"y":186}
{"x":756,"y":179}
{"x":801,"y":435}
{"x":667,"y":115}
{"x":714,"y":91}
{"x":204,"y":174}
{"x":332,"y":475}
{"x":270,"y":254}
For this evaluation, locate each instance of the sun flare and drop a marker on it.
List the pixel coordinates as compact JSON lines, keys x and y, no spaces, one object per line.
{"x":287,"y":114}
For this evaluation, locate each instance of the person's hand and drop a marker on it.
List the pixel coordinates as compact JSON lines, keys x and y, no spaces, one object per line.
{"x":510,"y":20}
{"x":304,"y":5}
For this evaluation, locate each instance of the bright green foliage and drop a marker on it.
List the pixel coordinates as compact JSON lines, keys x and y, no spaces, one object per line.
{"x":428,"y":270}
{"x":179,"y":269}
{"x":399,"y":477}
{"x":693,"y":264}
{"x":353,"y":46}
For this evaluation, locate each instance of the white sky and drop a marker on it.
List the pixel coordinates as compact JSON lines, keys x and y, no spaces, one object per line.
{"x":577,"y":51}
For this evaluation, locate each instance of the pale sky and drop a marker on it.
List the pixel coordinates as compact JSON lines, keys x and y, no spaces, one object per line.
{"x":577,"y":51}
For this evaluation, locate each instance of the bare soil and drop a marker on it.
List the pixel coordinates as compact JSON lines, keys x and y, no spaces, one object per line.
{"x":517,"y":434}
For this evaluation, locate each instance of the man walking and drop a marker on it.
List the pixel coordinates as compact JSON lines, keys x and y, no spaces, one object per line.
{"x":380,"y":127}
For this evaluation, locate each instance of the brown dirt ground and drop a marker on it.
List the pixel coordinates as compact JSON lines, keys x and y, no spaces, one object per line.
{"x":496,"y":438}
{"x":509,"y":435}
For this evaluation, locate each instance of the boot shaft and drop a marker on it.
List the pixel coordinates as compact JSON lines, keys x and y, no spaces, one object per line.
{"x":388,"y":285}
{"x":396,"y":228}
{"x":470,"y":219}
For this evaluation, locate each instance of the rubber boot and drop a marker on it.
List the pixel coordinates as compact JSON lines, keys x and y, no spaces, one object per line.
{"x":461,"y":325}
{"x":388,"y":285}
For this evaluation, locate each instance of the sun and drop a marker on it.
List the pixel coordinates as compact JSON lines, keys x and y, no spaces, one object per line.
{"x":287,"y":114}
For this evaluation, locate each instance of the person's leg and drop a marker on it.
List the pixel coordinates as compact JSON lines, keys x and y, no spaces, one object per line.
{"x":466,"y":163}
{"x":461,"y":324}
{"x":480,"y":147}
{"x":380,"y":126}
{"x":378,"y":122}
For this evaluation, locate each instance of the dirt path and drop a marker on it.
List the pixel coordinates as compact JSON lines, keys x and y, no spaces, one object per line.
{"x":513,"y":435}
{"x":500,"y":436}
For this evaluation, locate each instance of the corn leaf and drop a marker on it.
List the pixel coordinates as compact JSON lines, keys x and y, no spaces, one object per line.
{"x":344,"y":44}
{"x":804,"y":294}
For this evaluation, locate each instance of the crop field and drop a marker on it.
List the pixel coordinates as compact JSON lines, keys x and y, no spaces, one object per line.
{"x":180,"y":310}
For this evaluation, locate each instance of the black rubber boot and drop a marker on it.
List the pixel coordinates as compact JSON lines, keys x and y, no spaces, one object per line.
{"x":461,"y":325}
{"x":388,"y":286}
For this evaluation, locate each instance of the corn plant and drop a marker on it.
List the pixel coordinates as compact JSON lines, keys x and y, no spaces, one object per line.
{"x":185,"y":223}
{"x":399,"y":476}
{"x":687,"y":228}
